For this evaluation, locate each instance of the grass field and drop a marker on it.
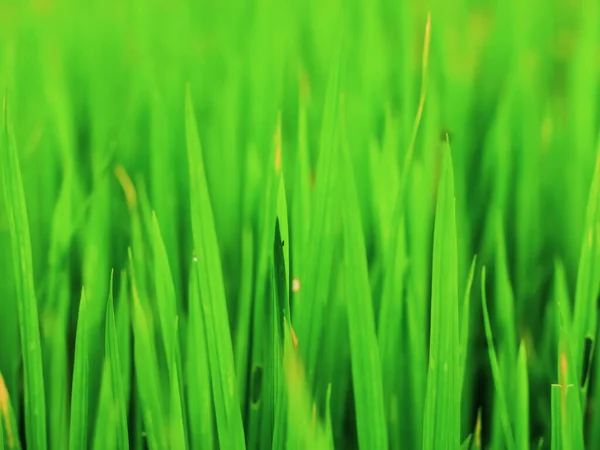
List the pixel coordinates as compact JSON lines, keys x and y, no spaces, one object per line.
{"x":354,"y":224}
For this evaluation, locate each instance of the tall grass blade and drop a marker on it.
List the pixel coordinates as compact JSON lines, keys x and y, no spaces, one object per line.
{"x":176,"y":421}
{"x":465,"y":318}
{"x":588,"y":276}
{"x":199,"y":394}
{"x":441,"y":428}
{"x":568,"y":378}
{"x":212,"y":293}
{"x":366,"y":369}
{"x":522,"y":430}
{"x":115,"y":374}
{"x":18,"y":222}
{"x":319,"y":251}
{"x":557,"y":417}
{"x":146,"y":371}
{"x":78,"y":434}
{"x":496,"y":371}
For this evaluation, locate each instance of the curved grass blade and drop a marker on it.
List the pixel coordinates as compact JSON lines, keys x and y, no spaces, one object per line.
{"x":78,"y":431}
{"x":441,"y":427}
{"x":14,"y":198}
{"x":495,"y":366}
{"x":212,"y":293}
{"x":366,"y":368}
{"x":115,"y":374}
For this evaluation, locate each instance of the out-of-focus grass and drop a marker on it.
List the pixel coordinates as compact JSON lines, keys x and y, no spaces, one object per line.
{"x":323,"y":311}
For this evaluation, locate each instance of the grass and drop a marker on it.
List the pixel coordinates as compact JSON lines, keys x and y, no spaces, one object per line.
{"x":329,"y":224}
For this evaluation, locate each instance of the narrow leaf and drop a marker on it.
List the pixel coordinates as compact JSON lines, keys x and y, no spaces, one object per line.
{"x":212,"y":293}
{"x":14,"y":198}
{"x":78,"y":434}
{"x":441,"y":427}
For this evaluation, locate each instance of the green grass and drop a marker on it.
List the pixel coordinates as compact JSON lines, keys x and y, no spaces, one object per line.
{"x":321,"y":224}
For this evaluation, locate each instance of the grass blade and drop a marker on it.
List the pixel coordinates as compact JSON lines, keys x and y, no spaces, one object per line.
{"x":146,"y":371}
{"x":465,"y":318}
{"x":176,"y":426}
{"x":568,"y":378}
{"x":78,"y":433}
{"x":212,"y":293}
{"x":390,"y":335}
{"x":200,"y":402}
{"x":441,"y":428}
{"x":557,"y":420}
{"x":244,"y":320}
{"x":495,"y":366}
{"x":588,"y":277}
{"x":115,"y":374}
{"x":281,"y":310}
{"x":167,"y":311}
{"x":319,"y":251}
{"x":522,"y":438}
{"x":12,"y":189}
{"x":366,"y":369}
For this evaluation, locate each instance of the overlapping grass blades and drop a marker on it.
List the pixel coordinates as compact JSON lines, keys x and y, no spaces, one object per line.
{"x":585,"y":315}
{"x":14,"y":198}
{"x":256,"y":313}
{"x":441,"y":428}
{"x":115,"y":374}
{"x":497,"y":375}
{"x":200,"y":397}
{"x":364,"y":351}
{"x":212,"y":293}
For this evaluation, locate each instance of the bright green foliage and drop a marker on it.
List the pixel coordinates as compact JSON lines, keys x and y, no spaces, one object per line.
{"x":275,"y":207}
